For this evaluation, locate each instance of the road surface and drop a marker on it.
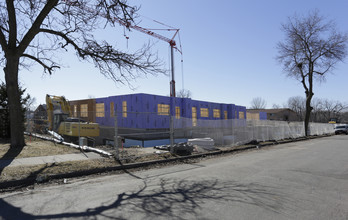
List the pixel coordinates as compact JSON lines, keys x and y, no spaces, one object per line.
{"x":301,"y":180}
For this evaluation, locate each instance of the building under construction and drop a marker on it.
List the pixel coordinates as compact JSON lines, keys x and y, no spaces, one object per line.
{"x":148,"y":117}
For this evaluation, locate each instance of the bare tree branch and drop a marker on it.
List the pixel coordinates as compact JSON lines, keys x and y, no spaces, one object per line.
{"x":258,"y":103}
{"x":184,"y":93}
{"x":35,"y":31}
{"x":35,"y":28}
{"x":3,"y":42}
{"x":66,"y":38}
{"x":39,"y":61}
{"x":12,"y":23}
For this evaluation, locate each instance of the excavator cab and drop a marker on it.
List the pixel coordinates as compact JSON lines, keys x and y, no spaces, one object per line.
{"x":58,"y":118}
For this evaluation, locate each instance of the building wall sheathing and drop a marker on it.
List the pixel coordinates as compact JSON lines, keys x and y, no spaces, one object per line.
{"x":142,"y":112}
{"x":91,"y":109}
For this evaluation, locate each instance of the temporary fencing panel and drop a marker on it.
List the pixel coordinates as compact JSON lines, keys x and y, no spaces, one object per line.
{"x":153,"y":125}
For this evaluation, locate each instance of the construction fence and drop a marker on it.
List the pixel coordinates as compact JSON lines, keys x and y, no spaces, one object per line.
{"x":159,"y":128}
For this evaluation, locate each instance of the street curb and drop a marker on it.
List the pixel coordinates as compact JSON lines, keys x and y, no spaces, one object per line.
{"x":31,"y":180}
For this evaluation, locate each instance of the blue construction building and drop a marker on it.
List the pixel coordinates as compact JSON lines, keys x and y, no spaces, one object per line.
{"x":149,"y":115}
{"x":147,"y":111}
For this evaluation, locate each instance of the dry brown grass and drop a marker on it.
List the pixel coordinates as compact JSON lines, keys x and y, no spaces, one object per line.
{"x":36,"y":148}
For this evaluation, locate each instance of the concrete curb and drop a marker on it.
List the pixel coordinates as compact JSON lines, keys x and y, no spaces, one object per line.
{"x":31,"y":180}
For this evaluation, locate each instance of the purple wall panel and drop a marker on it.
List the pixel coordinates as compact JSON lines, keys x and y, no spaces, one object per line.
{"x":142,"y":111}
{"x":102,"y":120}
{"x":263,"y":116}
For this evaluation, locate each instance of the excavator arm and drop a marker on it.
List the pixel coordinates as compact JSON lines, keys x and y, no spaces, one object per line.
{"x":56,"y":103}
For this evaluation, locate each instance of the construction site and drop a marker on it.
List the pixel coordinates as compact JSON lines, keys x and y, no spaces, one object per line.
{"x":148,"y":120}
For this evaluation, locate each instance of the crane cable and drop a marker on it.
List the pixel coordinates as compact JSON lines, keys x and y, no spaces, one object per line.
{"x":157,"y":22}
{"x":126,"y":36}
{"x":182,"y":62}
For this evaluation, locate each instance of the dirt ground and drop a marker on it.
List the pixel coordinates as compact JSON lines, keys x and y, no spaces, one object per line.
{"x":36,"y":147}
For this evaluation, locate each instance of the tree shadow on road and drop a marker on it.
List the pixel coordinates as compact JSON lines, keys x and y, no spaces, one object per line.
{"x":32,"y":178}
{"x":166,"y":198}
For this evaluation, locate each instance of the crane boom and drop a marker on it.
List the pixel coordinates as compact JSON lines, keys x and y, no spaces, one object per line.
{"x":171,"y":42}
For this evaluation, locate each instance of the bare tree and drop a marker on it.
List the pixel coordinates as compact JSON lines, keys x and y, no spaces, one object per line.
{"x":317,"y":105}
{"x":258,"y":103}
{"x":311,"y":49}
{"x":344,"y":117}
{"x":184,"y":93}
{"x":34,"y":32}
{"x":298,"y":105}
{"x":30,"y":104}
{"x":276,"y":106}
{"x":332,"y":109}
{"x":323,"y":109}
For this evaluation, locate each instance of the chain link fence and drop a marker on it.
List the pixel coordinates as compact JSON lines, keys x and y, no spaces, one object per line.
{"x":241,"y":131}
{"x":152,"y":128}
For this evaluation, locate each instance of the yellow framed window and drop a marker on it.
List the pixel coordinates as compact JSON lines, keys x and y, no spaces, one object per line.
{"x":84,"y":110}
{"x":204,"y":112}
{"x":124,"y":109}
{"x":241,"y":115}
{"x":177,"y":112}
{"x":162,"y":109}
{"x":112,"y":110}
{"x":216,"y":113}
{"x":194,"y":116}
{"x":75,"y":111}
{"x":100,"y":110}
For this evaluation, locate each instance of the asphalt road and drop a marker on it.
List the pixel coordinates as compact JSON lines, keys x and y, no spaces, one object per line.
{"x":301,"y":180}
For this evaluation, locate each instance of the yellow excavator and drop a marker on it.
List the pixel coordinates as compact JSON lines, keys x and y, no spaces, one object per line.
{"x":61,"y":122}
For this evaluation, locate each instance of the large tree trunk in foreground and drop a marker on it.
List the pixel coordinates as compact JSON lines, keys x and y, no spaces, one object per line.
{"x":59,"y":26}
{"x":13,"y":94}
{"x":308,"y":112}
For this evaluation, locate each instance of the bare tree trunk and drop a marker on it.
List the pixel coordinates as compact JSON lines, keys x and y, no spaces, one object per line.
{"x":309,"y":108}
{"x":15,"y":110}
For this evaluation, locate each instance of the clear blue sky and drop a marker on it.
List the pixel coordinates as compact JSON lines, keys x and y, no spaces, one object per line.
{"x":229,"y":50}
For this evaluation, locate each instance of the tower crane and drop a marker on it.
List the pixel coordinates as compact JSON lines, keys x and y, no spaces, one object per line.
{"x":173,"y":46}
{"x":171,"y":42}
